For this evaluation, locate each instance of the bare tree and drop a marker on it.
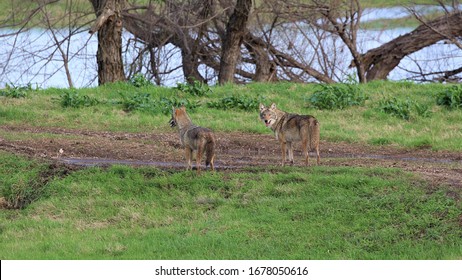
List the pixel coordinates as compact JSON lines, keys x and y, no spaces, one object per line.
{"x":231,"y":46}
{"x":41,"y":52}
{"x":379,"y":62}
{"x":109,"y":27}
{"x":218,"y":41}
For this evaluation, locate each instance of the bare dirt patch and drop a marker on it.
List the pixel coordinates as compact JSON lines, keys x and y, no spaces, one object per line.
{"x":234,"y":151}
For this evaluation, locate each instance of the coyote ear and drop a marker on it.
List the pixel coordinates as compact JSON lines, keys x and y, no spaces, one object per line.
{"x":183,"y":108}
{"x":262,"y":107}
{"x":173,"y":110}
{"x":273,"y":106}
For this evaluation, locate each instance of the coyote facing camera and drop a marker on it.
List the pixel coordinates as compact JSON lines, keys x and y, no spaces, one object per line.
{"x":194,"y":138}
{"x":289,"y":128}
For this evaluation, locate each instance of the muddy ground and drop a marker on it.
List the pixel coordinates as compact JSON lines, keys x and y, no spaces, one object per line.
{"x":234,"y":151}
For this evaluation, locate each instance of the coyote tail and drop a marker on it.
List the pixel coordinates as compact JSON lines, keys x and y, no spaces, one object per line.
{"x":209,"y":152}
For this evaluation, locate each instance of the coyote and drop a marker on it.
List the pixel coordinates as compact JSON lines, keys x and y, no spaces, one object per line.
{"x":193,"y":138}
{"x":292,"y":127}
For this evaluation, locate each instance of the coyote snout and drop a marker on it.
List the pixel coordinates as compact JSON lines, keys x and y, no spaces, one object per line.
{"x":289,"y":128}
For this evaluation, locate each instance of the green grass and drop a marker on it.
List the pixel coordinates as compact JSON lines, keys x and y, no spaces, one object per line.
{"x":272,"y":213}
{"x":290,"y":213}
{"x":434,"y":126}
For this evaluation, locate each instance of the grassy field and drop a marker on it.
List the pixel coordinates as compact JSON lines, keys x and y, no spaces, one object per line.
{"x":291,"y":213}
{"x":380,"y":120}
{"x":322,"y":212}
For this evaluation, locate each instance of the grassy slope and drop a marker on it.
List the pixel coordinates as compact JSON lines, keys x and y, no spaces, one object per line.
{"x":144,"y":213}
{"x":442,"y":130}
{"x":274,"y":213}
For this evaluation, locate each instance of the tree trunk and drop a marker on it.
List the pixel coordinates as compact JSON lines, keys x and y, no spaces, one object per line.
{"x":379,"y":62}
{"x":109,"y":27}
{"x":235,"y":31}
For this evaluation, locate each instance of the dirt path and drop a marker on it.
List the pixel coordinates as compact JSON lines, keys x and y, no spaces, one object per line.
{"x":235,"y":150}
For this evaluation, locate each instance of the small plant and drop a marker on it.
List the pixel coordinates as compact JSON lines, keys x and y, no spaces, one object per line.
{"x":422,"y":110}
{"x":237,"y":102}
{"x":403,"y":108}
{"x":196,"y":88}
{"x":15,"y":91}
{"x":71,"y":98}
{"x":145,"y":102}
{"x":337,"y":96}
{"x":396,"y":107}
{"x":138,"y":80}
{"x":136,"y":101}
{"x":166,"y":104}
{"x":451,"y":98}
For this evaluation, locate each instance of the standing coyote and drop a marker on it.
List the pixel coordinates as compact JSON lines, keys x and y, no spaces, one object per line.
{"x":292,"y":127}
{"x":193,"y":138}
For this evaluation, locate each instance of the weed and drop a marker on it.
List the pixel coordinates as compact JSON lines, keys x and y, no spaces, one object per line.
{"x":166,"y":104}
{"x":422,"y":110}
{"x":15,"y":91}
{"x":337,"y":96}
{"x":403,"y":108}
{"x":145,"y":102}
{"x":138,"y":80}
{"x":71,"y":98}
{"x":136,"y":101}
{"x":237,"y":102}
{"x":196,"y":88}
{"x":396,"y":107}
{"x":451,"y":98}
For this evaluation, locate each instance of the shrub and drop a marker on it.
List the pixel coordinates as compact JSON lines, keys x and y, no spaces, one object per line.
{"x":196,"y":88}
{"x":138,"y":80}
{"x":136,"y":101}
{"x":165,"y":104}
{"x":145,"y":102}
{"x":15,"y":91}
{"x":451,"y":98}
{"x":337,"y":96}
{"x":403,"y":108}
{"x":71,"y":98}
{"x":237,"y":102}
{"x":395,"y":107}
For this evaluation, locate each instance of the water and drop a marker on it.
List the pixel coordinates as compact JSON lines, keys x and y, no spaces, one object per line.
{"x":31,"y":58}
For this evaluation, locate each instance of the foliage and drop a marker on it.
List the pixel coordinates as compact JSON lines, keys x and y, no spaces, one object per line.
{"x":22,"y":188}
{"x":123,"y":212}
{"x":337,"y":96}
{"x":450,"y":98}
{"x":15,"y":91}
{"x":145,"y":102}
{"x":138,"y":80}
{"x":240,"y":102}
{"x":71,"y":98}
{"x":363,"y":124}
{"x":403,"y":108}
{"x":196,"y":88}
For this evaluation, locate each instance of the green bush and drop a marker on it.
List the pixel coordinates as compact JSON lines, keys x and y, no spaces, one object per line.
{"x":337,"y":96}
{"x":138,"y":80}
{"x":145,"y":102}
{"x":403,"y":108}
{"x":196,"y":88}
{"x":396,"y":107}
{"x":15,"y":91}
{"x":136,"y":101}
{"x":451,"y":98}
{"x":71,"y":98}
{"x":237,"y":102}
